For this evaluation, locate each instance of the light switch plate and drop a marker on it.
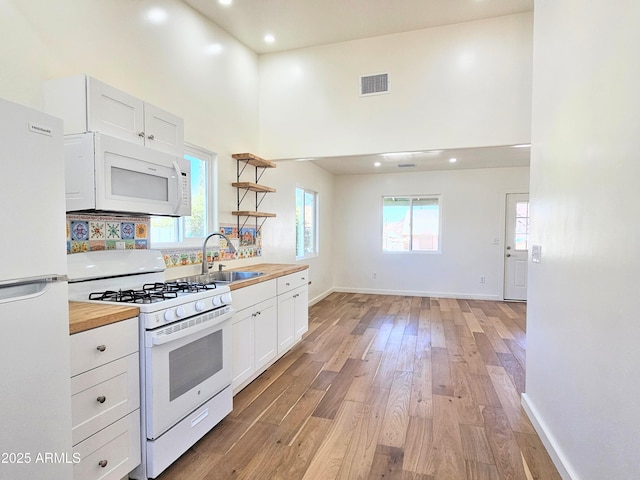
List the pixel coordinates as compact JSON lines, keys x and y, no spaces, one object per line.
{"x":536,"y":253}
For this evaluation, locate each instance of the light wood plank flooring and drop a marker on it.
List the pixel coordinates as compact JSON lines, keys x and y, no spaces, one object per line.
{"x":384,"y":387}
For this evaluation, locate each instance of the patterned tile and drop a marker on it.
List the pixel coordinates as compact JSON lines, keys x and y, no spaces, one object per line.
{"x":106,"y":232}
{"x":79,"y":231}
{"x":97,"y":230}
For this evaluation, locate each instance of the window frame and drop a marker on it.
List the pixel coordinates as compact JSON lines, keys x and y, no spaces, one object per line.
{"x":412,"y":197}
{"x":316,"y":210}
{"x":211,"y":220}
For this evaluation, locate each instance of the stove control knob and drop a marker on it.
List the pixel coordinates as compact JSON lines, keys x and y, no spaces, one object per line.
{"x":217,"y":301}
{"x":169,"y":316}
{"x":180,"y":312}
{"x":226,"y":298}
{"x":200,"y":306}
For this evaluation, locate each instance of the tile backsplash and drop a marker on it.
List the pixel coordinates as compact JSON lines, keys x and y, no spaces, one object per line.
{"x":103,"y":232}
{"x":98,"y":232}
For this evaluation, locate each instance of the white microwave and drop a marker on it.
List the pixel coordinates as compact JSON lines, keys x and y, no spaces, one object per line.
{"x":108,"y":174}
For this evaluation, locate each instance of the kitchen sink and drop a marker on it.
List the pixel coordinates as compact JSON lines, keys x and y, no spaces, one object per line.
{"x":224,"y":277}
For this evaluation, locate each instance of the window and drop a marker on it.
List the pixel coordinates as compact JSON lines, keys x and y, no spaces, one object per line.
{"x":521,"y":239}
{"x":411,"y":223}
{"x":172,"y":230}
{"x":306,"y":223}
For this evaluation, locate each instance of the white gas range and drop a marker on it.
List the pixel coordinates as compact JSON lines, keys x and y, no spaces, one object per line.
{"x":185,"y":346}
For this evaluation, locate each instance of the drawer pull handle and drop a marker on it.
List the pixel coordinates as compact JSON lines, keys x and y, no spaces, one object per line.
{"x":287,"y":284}
{"x":103,"y":463}
{"x":101,"y":348}
{"x":101,"y":399}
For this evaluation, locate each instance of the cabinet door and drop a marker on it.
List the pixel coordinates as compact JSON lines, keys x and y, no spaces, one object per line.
{"x":286,"y":315}
{"x":114,"y":112}
{"x":163,"y":130}
{"x":242,"y":335}
{"x":265,"y":321}
{"x":301,"y":311}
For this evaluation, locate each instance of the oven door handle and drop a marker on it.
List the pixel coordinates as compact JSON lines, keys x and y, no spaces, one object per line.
{"x":152,"y":338}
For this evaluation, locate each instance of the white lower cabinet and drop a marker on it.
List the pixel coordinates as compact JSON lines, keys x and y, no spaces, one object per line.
{"x":254,"y":331}
{"x":105,"y":401}
{"x":301,"y":311}
{"x":270,"y":318}
{"x":265,"y":332}
{"x":293,"y":307}
{"x":286,"y":327}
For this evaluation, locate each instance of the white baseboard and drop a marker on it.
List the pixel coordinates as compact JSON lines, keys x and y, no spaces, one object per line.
{"x":411,"y":293}
{"x":322,"y":296}
{"x":560,"y":461}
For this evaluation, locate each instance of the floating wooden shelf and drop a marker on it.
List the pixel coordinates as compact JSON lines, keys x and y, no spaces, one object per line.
{"x":254,"y":187}
{"x":243,"y":188}
{"x":253,"y":160}
{"x":246,"y":213}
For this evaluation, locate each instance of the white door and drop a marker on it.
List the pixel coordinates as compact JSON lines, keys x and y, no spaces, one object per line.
{"x":516,"y":246}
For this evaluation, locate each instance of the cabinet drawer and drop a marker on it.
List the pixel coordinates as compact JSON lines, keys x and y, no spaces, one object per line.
{"x":102,"y":345}
{"x":103,"y":395}
{"x":253,"y":294}
{"x":111,"y":453}
{"x":293,"y":280}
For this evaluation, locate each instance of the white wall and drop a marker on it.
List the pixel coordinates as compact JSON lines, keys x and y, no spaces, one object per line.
{"x":281,"y":231}
{"x":464,"y":85}
{"x":164,"y":64}
{"x":473,"y":206}
{"x":582,"y":329}
{"x":168,"y":65}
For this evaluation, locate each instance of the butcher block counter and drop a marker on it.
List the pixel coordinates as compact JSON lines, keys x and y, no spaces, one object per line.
{"x":85,"y":315}
{"x":270,"y":270}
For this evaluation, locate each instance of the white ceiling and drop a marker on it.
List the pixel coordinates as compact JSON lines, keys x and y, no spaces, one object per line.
{"x":482,"y":157}
{"x":305,"y":23}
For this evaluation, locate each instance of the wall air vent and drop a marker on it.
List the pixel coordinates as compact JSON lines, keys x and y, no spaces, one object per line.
{"x":406,"y":165}
{"x":374,"y":84}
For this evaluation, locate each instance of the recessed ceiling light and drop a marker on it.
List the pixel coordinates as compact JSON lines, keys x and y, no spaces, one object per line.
{"x":157,"y":15}
{"x":225,"y":2}
{"x":453,"y":160}
{"x":269,"y":38}
{"x":377,"y":164}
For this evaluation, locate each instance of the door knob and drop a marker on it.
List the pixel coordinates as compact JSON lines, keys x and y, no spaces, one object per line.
{"x":508,"y":254}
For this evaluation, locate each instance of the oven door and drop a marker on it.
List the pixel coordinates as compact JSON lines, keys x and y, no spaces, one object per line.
{"x":183,"y":370}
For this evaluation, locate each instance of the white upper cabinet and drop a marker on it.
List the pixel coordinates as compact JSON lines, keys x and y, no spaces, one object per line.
{"x":89,"y":105}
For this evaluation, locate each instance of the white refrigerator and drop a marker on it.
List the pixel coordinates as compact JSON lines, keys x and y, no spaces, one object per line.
{"x":35,"y":401}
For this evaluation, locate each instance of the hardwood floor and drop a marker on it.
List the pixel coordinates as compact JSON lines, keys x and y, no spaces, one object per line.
{"x":384,"y":387}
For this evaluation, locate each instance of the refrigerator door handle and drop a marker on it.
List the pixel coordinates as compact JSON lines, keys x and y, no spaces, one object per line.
{"x":39,"y":279}
{"x":25,"y":289}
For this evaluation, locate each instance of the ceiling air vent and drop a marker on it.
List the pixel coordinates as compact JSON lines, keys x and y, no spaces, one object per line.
{"x":374,"y":84}
{"x":406,"y":165}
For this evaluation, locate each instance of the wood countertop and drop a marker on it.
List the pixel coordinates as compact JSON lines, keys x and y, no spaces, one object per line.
{"x":86,"y":315}
{"x":270,"y":270}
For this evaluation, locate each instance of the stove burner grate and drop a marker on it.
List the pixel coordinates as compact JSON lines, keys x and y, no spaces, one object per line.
{"x":151,"y":292}
{"x":132,"y":296}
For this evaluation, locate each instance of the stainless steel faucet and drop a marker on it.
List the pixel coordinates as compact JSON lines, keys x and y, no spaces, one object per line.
{"x":205,"y":264}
